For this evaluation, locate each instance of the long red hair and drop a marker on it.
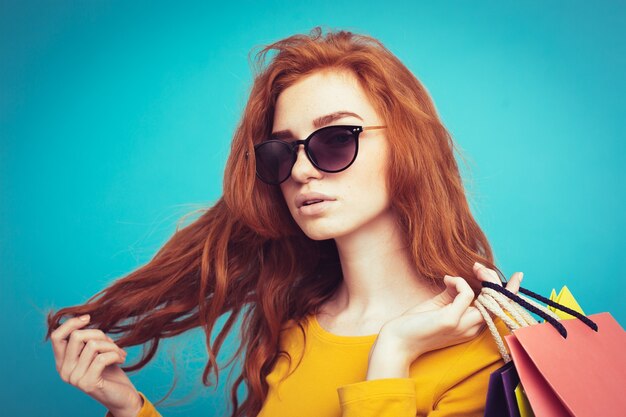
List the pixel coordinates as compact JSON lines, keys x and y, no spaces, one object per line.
{"x":246,"y":251}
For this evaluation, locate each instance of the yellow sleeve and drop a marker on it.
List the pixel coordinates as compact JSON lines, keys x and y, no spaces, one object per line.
{"x":466,"y":383}
{"x":147,"y":410}
{"x":387,"y":397}
{"x":468,"y":397}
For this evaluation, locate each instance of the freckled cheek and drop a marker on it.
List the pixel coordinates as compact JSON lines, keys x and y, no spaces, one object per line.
{"x":377,"y":189}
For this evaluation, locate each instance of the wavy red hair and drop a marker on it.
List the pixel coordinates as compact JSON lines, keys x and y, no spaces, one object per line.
{"x":245,"y":252}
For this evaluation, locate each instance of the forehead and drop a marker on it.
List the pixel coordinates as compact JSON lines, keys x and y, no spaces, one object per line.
{"x":300,"y":105}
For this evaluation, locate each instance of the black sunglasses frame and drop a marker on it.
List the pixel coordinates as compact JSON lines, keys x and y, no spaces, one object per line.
{"x":356,"y":130}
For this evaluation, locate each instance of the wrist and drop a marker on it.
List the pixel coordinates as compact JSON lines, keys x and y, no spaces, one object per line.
{"x":389,"y":341}
{"x":131,"y":411}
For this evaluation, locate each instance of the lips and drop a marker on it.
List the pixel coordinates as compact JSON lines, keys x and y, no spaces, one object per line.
{"x":305,"y":199}
{"x":308,"y":203}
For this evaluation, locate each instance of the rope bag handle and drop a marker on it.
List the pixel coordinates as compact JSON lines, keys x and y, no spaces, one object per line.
{"x":500,"y":301}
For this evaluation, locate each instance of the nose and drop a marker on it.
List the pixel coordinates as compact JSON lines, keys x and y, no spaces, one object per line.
{"x":303,"y":169}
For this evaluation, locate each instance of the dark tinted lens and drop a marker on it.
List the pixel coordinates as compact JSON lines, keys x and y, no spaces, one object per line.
{"x":274,"y":160}
{"x":333,"y":149}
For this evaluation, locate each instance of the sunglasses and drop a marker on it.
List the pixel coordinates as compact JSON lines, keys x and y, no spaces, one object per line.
{"x":330,"y":149}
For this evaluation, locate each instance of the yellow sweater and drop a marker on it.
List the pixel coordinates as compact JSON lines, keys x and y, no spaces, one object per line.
{"x":330,"y":380}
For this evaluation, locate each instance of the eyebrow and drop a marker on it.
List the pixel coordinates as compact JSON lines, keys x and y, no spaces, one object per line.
{"x":317,"y":123}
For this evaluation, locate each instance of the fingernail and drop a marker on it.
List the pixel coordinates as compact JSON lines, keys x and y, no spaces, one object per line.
{"x":85,"y":317}
{"x":479,"y":264}
{"x":521,"y":275}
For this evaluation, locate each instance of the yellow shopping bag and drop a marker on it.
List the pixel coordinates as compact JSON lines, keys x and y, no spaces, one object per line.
{"x":565,"y":298}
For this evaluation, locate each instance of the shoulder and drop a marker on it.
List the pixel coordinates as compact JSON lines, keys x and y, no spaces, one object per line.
{"x":293,"y":334}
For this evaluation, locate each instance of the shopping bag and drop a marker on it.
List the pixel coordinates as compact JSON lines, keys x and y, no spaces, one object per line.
{"x":501,"y":399}
{"x":581,"y":375}
{"x":505,"y":398}
{"x":565,"y":298}
{"x":525,"y":409}
{"x":572,"y":367}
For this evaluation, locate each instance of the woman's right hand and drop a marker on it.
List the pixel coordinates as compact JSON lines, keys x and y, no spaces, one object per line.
{"x":87,"y":359}
{"x":446,"y":319}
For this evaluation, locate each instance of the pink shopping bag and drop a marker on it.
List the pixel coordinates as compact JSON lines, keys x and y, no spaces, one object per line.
{"x":583,"y":374}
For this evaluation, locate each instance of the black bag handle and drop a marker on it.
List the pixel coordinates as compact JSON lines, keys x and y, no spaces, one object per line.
{"x":555,"y":323}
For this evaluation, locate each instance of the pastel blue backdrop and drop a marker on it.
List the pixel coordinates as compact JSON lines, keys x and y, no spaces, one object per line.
{"x":116,"y":118}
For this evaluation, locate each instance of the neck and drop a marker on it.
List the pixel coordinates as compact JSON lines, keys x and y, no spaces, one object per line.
{"x":379,"y":277}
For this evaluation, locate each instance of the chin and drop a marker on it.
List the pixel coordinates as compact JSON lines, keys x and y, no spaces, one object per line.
{"x":316,"y":232}
{"x":316,"y":235}
{"x":323,"y":233}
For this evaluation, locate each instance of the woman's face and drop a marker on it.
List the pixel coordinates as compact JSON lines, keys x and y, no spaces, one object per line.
{"x":358,"y":196}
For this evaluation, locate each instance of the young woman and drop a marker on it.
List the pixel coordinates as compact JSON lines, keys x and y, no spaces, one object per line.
{"x":343,"y":233}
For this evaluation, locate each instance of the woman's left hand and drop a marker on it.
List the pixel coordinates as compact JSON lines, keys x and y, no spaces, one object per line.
{"x":447,"y":319}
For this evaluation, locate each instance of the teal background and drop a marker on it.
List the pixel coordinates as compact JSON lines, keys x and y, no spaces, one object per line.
{"x":116,"y":118}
